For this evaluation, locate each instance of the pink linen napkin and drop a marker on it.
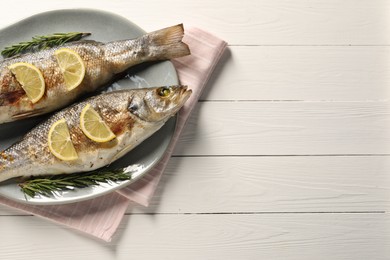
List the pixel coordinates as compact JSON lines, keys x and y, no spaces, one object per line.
{"x":101,"y":216}
{"x":193,"y":70}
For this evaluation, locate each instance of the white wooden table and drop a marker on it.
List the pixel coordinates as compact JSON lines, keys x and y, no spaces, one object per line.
{"x":286,"y":155}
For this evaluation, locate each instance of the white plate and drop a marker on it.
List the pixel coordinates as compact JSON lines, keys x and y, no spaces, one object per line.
{"x":104,"y":27}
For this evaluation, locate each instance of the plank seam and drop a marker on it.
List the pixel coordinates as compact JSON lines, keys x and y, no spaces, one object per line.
{"x":259,"y":213}
{"x":234,"y":213}
{"x":291,"y":100}
{"x":280,"y":155}
{"x":309,"y":45}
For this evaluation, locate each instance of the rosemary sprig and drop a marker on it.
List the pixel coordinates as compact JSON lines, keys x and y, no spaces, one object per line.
{"x":42,"y":42}
{"x":50,"y":185}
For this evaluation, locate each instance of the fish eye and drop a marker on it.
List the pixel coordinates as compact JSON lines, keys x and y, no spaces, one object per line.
{"x":163,"y":91}
{"x":133,"y":107}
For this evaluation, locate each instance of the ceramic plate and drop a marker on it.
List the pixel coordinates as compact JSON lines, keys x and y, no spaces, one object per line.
{"x":104,"y":27}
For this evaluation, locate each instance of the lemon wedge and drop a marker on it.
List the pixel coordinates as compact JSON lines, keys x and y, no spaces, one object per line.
{"x":72,"y":67}
{"x":93,"y":125}
{"x":31,"y":79}
{"x":60,"y":143}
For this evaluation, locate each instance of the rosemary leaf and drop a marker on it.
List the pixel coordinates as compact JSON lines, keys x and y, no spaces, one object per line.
{"x":41,"y":42}
{"x":49,"y":185}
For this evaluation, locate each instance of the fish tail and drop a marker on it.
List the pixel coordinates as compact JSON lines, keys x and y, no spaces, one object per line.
{"x":164,"y":44}
{"x":168,"y":43}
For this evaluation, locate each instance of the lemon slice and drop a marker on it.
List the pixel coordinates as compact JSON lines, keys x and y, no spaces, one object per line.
{"x":72,"y":67}
{"x":93,"y":126}
{"x":60,"y":143}
{"x":31,"y":79}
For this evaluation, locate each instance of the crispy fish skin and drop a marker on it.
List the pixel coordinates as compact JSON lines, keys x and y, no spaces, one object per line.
{"x":102,"y":62}
{"x":133,"y":116}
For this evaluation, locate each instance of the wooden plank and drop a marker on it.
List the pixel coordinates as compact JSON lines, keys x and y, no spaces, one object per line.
{"x":264,"y":236}
{"x":269,"y":184}
{"x":286,"y":128}
{"x":273,"y":184}
{"x":310,"y":73}
{"x":262,"y":22}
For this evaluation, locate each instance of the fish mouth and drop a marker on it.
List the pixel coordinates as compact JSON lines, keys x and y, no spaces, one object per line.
{"x":185,"y":94}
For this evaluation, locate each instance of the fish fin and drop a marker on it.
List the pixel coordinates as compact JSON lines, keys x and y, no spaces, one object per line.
{"x":11,"y":97}
{"x":168,"y":42}
{"x":27,"y":114}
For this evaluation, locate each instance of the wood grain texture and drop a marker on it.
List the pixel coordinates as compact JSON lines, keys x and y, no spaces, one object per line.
{"x":287,"y":128}
{"x":269,"y":184}
{"x":302,"y":73}
{"x":273,"y":184}
{"x":287,"y":155}
{"x":247,"y":22}
{"x":248,"y":236}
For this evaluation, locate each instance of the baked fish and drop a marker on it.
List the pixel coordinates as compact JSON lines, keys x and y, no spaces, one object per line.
{"x":132,"y":115}
{"x":102,"y":61}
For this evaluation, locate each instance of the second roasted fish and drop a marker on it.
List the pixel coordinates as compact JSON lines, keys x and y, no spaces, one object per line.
{"x":132,"y":115}
{"x":102,"y":61}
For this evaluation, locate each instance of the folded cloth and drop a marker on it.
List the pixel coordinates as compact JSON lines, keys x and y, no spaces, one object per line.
{"x":193,"y":70}
{"x":101,"y":216}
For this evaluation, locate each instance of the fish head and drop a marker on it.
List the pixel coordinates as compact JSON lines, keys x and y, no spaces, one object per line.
{"x":158,"y":104}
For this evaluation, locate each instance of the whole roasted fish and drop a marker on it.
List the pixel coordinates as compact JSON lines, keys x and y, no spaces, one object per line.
{"x":132,"y":115}
{"x":102,"y":61}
